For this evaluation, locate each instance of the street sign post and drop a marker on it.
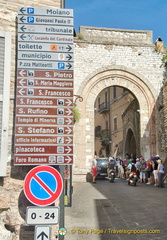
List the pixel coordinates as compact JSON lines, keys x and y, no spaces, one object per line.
{"x":43,"y":185}
{"x":42,"y":233}
{"x":44,"y":93}
{"x":42,"y":215}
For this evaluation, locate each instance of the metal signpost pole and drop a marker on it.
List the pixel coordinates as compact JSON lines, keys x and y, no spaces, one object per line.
{"x":61,"y":205}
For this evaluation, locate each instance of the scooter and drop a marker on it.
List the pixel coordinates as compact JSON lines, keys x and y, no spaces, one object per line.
{"x":132,"y":180}
{"x":112,"y":175}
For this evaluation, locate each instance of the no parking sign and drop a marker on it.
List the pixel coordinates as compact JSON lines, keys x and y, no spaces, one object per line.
{"x":43,"y":185}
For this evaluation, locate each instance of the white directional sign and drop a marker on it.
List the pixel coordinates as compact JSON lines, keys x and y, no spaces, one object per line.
{"x":42,"y":215}
{"x":27,"y":37}
{"x":42,"y":233}
{"x":46,"y":11}
{"x":23,"y":28}
{"x":52,"y":56}
{"x":44,"y":65}
{"x":45,"y":20}
{"x":45,"y":47}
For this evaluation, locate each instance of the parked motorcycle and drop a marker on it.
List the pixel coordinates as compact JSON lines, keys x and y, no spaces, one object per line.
{"x":112,"y":175}
{"x":132,"y":180}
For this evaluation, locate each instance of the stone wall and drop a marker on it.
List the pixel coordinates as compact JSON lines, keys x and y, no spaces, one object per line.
{"x":163,"y":136}
{"x":107,"y":57}
{"x":12,"y":200}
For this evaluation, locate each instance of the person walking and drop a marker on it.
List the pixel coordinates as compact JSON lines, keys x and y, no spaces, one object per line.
{"x":121,"y":169}
{"x":142,"y":167}
{"x":155,"y":170}
{"x":149,"y":170}
{"x":160,"y":173}
{"x":94,"y":169}
{"x":138,"y":167}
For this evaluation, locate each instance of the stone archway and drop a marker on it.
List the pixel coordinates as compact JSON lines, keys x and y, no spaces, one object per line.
{"x":130,"y":144}
{"x":84,"y":130}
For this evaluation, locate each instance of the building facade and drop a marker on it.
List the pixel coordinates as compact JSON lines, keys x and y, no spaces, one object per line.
{"x":110,"y":106}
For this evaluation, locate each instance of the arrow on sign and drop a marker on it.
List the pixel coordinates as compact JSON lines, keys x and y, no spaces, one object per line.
{"x":68,"y":149}
{"x":69,"y":57}
{"x":68,"y":111}
{"x":23,"y":28}
{"x":68,"y":102}
{"x":21,"y":91}
{"x":69,"y":121}
{"x":68,"y":140}
{"x":69,"y":159}
{"x":22,"y":19}
{"x":69,"y":66}
{"x":22,"y":73}
{"x":69,"y":48}
{"x":42,"y":235}
{"x":22,"y":82}
{"x":68,"y":130}
{"x":22,"y":37}
{"x":22,"y":10}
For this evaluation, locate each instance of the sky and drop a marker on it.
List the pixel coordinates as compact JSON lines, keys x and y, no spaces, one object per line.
{"x":123,"y":14}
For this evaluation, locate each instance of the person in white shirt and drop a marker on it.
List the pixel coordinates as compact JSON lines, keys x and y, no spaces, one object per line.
{"x":160,"y":173}
{"x":137,"y":165}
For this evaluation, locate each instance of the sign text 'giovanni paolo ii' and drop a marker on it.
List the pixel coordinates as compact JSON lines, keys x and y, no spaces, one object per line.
{"x":44,"y":89}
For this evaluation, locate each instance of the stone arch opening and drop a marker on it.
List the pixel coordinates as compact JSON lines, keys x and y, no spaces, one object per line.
{"x":90,"y":88}
{"x":116,"y":110}
{"x":130,"y":144}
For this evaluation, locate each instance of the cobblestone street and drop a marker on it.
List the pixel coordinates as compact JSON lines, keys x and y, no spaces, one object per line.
{"x":99,"y":209}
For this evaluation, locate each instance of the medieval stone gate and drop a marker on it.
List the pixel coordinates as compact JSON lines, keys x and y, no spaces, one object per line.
{"x":113,"y":57}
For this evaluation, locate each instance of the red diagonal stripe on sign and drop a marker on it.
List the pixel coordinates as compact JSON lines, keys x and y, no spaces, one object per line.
{"x":45,"y":187}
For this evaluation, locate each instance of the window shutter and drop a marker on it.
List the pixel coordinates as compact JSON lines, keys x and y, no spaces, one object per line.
{"x":5,"y":61}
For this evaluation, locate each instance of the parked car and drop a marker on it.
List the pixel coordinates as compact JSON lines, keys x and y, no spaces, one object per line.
{"x":102,"y":164}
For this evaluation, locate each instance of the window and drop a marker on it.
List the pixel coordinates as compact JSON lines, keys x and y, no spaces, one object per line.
{"x":115,"y":123}
{"x":5,"y":54}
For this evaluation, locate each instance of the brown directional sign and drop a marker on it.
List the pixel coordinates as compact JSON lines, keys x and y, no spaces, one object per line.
{"x":40,"y":101}
{"x":43,"y":130}
{"x":20,"y":120}
{"x":49,"y":92}
{"x":45,"y":74}
{"x":41,"y":149}
{"x":56,"y":111}
{"x":44,"y":89}
{"x":23,"y":82}
{"x":51,"y":140}
{"x":43,"y":159}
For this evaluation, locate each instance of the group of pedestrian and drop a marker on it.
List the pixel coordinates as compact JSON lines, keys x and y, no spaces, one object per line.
{"x":148,"y":171}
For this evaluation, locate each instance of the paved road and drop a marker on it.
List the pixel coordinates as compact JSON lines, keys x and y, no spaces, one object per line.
{"x":108,"y":206}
